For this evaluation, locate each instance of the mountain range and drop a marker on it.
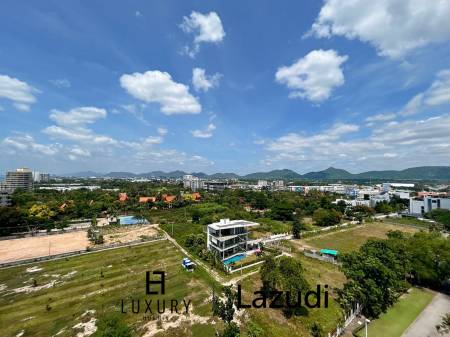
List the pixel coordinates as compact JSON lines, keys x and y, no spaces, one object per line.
{"x":331,"y":173}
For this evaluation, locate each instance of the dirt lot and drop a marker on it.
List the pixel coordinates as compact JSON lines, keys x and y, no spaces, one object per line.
{"x":19,"y":249}
{"x":128,"y":233}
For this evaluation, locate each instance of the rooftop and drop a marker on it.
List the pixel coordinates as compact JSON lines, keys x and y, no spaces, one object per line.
{"x":227,"y":223}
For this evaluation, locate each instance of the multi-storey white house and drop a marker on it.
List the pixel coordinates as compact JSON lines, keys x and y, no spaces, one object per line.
{"x":230,"y":237}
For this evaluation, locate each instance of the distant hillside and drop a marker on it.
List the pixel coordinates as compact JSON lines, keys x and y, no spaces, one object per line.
{"x":414,"y":173}
{"x":331,"y":173}
{"x":275,"y":174}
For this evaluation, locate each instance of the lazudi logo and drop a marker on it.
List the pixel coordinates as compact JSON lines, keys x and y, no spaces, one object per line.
{"x":284,"y":299}
{"x":152,"y":306}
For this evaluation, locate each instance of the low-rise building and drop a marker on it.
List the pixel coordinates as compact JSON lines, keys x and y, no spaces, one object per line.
{"x":228,"y":237}
{"x":418,"y":206}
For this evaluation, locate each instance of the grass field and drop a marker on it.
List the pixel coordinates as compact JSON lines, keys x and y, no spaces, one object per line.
{"x":80,"y":289}
{"x":348,"y":240}
{"x":397,"y":319}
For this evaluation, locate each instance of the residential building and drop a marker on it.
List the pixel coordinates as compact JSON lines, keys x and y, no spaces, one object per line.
{"x":39,"y":177}
{"x":21,"y":178}
{"x":424,"y":205}
{"x":192,"y":182}
{"x":230,"y":237}
{"x":123,"y":197}
{"x":144,"y":200}
{"x":216,"y":185}
{"x":262,"y":183}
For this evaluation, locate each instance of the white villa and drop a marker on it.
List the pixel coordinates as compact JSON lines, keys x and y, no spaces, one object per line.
{"x":230,"y":237}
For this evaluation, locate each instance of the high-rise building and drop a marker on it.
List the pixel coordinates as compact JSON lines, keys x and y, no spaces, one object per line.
{"x":20,"y":178}
{"x":39,"y":177}
{"x":194,"y":183}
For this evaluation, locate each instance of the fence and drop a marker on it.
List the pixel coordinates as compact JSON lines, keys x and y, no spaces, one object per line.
{"x":347,"y":320}
{"x":81,"y":252}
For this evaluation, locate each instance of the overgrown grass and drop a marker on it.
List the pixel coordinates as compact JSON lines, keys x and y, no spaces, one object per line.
{"x":100,"y":281}
{"x":347,"y":240}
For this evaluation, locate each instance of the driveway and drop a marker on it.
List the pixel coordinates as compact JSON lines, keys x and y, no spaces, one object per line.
{"x":425,"y":324}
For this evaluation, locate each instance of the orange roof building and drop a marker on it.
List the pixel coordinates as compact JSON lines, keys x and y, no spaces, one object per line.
{"x":144,"y":200}
{"x":168,"y":198}
{"x":123,"y":197}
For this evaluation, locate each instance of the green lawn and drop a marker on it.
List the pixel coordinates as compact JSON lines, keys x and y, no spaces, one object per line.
{"x":397,"y":319}
{"x":97,"y":281}
{"x":347,"y":240}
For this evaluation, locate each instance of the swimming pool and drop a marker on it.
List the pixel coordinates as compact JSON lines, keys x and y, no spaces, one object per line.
{"x":131,"y":220}
{"x":234,"y":259}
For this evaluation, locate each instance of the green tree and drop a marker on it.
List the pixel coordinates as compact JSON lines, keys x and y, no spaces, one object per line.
{"x":326,"y":217}
{"x":297,"y":227}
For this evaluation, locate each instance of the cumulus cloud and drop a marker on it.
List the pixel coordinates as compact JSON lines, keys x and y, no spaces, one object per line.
{"x":206,"y":28}
{"x":78,"y":116}
{"x":314,"y":76}
{"x":206,"y":133}
{"x":203,"y":82}
{"x":18,"y":92}
{"x":26,"y":143}
{"x":71,"y":125}
{"x":159,"y":87}
{"x":393,"y":27}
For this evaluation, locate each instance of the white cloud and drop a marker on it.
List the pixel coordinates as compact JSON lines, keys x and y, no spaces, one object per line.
{"x":162,"y":131}
{"x":158,"y":87}
{"x":26,"y":143}
{"x":17,"y":91}
{"x":71,"y":125}
{"x":78,"y":116}
{"x":61,"y":83}
{"x":437,"y":94}
{"x":207,"y":28}
{"x":78,"y":134}
{"x":381,"y":117}
{"x":393,"y":27}
{"x":206,"y":133}
{"x":77,"y":152}
{"x":202,"y":82}
{"x":394,"y":144}
{"x":138,"y":14}
{"x":314,"y":76}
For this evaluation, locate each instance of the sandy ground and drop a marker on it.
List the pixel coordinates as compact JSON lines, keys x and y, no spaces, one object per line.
{"x":26,"y":248}
{"x":128,"y":233}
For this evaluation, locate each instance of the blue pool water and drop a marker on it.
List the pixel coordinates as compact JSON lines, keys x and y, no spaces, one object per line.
{"x":234,"y":259}
{"x":131,"y":220}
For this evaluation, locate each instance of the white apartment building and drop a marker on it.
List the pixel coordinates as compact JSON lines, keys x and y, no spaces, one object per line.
{"x":21,"y":178}
{"x":192,"y":182}
{"x":427,"y":204}
{"x":230,"y":237}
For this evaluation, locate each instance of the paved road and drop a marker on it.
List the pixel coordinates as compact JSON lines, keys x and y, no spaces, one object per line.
{"x":425,"y":323}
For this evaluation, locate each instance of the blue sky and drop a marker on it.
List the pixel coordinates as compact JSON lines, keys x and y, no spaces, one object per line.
{"x":224,"y":86}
